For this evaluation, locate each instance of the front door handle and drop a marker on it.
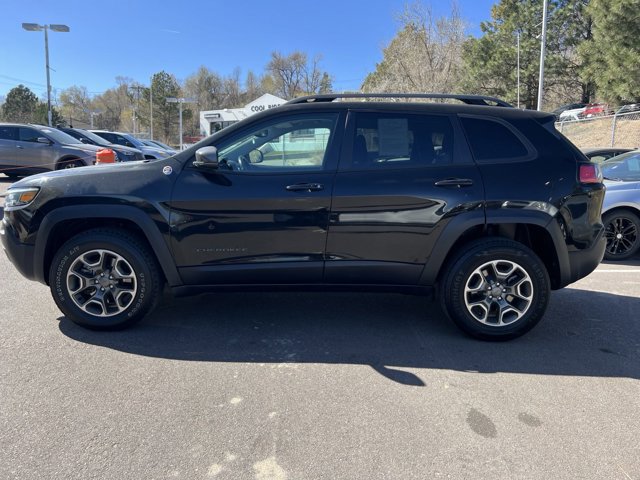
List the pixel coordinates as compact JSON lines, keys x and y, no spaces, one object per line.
{"x":454,"y":182}
{"x":20,"y":147}
{"x":305,"y":187}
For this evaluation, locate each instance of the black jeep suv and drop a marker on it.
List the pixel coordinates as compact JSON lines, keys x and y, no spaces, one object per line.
{"x":485,"y":205}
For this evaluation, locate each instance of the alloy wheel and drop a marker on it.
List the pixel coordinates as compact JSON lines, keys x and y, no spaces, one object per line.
{"x":622,"y":236}
{"x":498,"y":293}
{"x":102,"y":283}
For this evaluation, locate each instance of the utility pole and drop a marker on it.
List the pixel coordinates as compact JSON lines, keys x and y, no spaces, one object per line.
{"x":543,"y":42}
{"x":180,"y":101}
{"x":136,"y":96}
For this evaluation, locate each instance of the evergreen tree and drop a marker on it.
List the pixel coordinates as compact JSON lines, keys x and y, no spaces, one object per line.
{"x":20,"y":106}
{"x":613,"y":53}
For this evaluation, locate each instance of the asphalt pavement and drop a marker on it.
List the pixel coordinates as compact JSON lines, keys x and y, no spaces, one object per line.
{"x":274,"y":386}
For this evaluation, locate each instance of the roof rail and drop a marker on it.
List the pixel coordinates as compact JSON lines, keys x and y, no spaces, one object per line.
{"x":468,"y":99}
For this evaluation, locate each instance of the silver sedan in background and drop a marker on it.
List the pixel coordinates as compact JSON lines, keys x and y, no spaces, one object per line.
{"x":621,"y":209}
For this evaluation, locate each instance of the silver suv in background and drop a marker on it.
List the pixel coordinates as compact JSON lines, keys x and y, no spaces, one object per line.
{"x":127,"y":140}
{"x":27,"y":149}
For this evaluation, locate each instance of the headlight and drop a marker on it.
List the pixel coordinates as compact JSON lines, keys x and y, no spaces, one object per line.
{"x":18,"y":198}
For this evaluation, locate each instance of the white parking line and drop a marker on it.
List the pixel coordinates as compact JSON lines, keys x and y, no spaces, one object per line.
{"x":617,"y":271}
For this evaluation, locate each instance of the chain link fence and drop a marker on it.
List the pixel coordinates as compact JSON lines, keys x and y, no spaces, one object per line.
{"x":621,"y":130}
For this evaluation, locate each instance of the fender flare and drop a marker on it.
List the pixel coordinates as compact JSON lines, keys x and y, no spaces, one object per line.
{"x":123,"y":212}
{"x":459,"y":225}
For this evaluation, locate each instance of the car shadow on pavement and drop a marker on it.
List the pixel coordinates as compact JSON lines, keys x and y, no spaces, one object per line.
{"x":584,"y":333}
{"x":630,"y":262}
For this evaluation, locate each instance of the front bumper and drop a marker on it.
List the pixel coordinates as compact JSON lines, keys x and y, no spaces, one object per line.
{"x":20,"y":254}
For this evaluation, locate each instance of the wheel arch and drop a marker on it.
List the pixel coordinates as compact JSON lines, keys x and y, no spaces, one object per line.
{"x":66,"y":222}
{"x":538,"y":232}
{"x":623,"y":207}
{"x":68,"y":157}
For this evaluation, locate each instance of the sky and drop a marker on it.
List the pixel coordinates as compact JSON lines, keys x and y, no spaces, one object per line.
{"x":138,"y":38}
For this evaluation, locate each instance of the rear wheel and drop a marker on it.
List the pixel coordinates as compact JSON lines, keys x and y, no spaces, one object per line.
{"x":621,"y":230}
{"x":495,"y":289}
{"x":105,"y":279}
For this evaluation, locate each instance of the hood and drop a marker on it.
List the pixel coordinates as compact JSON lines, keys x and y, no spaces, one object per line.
{"x":122,"y":148}
{"x":113,"y":179}
{"x":84,"y":147}
{"x":157,"y":152}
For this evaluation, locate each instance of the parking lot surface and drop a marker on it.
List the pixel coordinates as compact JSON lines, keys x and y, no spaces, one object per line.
{"x":321,"y":386}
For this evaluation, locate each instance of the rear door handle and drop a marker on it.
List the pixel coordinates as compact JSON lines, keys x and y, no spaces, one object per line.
{"x":19,"y":146}
{"x":454,"y":182}
{"x":305,"y":187}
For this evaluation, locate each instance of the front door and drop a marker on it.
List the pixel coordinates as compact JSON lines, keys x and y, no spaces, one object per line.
{"x":262,"y":216}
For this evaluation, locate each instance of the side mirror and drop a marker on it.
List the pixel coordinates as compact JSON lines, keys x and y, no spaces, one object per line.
{"x":84,"y":140}
{"x":44,"y":140}
{"x":206,"y":157}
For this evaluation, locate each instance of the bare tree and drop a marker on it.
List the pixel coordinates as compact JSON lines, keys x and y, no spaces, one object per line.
{"x":293,"y":75}
{"x":425,"y":55}
{"x":76,"y":104}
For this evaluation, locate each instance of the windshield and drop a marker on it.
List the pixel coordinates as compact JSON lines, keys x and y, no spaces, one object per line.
{"x":625,"y":167}
{"x":94,"y":138}
{"x":59,"y":137}
{"x":133,"y":140}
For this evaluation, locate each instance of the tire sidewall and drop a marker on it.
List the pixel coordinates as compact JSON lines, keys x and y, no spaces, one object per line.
{"x":462,"y":269}
{"x":74,"y":248}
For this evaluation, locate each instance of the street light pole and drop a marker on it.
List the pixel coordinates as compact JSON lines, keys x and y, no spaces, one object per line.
{"x":543,"y":42}
{"x":34,"y":27}
{"x":180,"y":101}
{"x":46,"y":53}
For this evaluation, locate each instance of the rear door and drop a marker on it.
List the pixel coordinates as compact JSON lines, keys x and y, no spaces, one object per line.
{"x":402,"y":178}
{"x":262,"y":216}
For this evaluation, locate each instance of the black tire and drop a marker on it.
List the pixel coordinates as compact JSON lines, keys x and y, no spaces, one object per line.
{"x":622,"y":230}
{"x":72,"y":163}
{"x":522,"y":297}
{"x":122,"y":280}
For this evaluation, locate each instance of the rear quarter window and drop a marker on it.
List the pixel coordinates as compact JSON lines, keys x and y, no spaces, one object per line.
{"x":494,"y":141}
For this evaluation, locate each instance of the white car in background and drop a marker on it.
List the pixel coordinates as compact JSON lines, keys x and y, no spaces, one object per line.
{"x":573,"y":114}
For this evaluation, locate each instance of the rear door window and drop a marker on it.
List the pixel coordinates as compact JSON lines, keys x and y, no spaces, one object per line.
{"x":401,"y":140}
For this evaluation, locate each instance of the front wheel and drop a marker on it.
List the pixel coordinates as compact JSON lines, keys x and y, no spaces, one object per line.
{"x":105,"y":279}
{"x":495,"y":289}
{"x":63,"y":165}
{"x":621,"y":230}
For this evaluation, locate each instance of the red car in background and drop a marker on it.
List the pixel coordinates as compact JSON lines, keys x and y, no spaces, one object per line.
{"x":595,"y":110}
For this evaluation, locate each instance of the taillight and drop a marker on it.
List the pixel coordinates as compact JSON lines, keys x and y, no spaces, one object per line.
{"x":589,"y":173}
